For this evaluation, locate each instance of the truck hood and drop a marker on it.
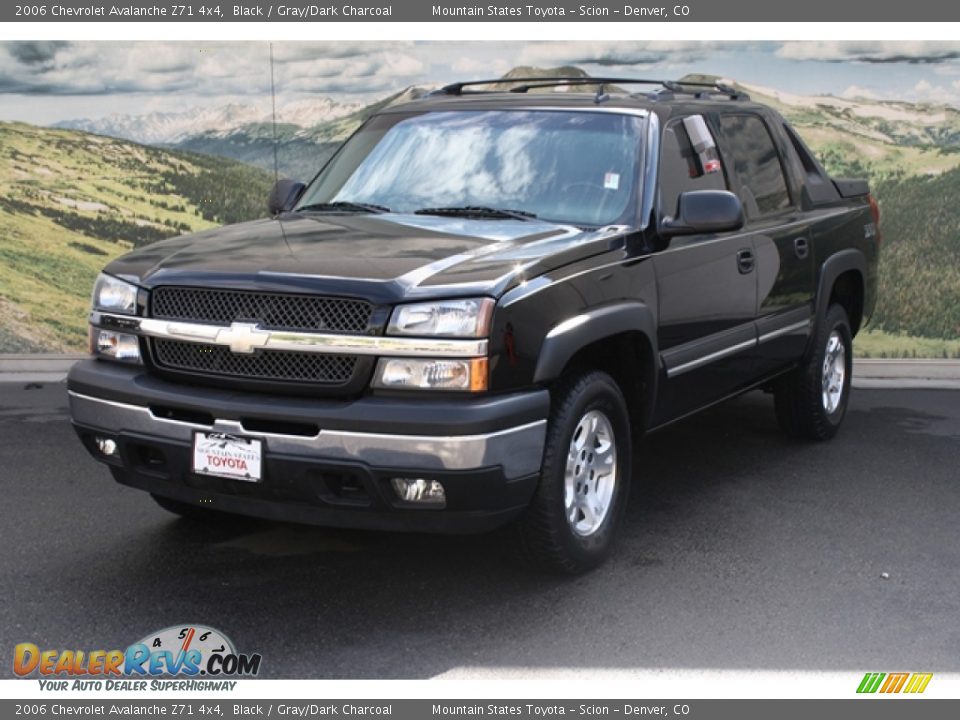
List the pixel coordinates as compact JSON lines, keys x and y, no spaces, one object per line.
{"x":384,"y":257}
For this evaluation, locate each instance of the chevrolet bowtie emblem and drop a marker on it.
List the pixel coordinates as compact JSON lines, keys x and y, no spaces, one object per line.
{"x":243,"y":337}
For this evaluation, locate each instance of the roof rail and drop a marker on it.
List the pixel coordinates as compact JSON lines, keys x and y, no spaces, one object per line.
{"x":701,"y":91}
{"x":525,"y":84}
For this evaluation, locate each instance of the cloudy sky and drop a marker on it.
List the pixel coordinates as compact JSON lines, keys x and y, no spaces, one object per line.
{"x":46,"y":82}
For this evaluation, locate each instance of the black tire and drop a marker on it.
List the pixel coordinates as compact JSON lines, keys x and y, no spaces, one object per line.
{"x":188,"y":511}
{"x":546,"y":539}
{"x":799,"y":400}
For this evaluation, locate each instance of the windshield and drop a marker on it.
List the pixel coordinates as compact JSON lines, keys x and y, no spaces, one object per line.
{"x":561,"y":166}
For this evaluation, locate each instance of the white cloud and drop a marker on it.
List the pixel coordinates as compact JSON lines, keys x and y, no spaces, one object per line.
{"x":855,"y":91}
{"x":933,"y":93}
{"x":94,"y":68}
{"x":292,"y":52}
{"x":916,"y":52}
{"x":475,"y":67}
{"x":622,"y":54}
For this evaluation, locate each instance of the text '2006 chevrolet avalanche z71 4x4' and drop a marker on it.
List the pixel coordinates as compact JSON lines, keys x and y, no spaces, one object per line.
{"x":476,"y":307}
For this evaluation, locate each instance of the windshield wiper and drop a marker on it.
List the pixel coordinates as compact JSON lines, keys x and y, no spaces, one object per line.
{"x":477,"y":211}
{"x":345,"y":206}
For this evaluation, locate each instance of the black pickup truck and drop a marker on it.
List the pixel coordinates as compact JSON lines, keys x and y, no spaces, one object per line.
{"x":473,"y":311}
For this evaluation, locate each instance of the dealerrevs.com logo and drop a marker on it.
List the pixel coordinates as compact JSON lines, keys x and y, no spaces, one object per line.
{"x":180,"y":651}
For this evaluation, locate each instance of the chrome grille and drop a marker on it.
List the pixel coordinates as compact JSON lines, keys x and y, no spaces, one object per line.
{"x":277,"y":311}
{"x":269,"y":365}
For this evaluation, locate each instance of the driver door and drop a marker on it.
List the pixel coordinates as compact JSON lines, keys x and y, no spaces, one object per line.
{"x":707,"y":285}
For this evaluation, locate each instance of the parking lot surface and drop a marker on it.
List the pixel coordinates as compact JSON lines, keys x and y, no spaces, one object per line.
{"x":740,"y":550}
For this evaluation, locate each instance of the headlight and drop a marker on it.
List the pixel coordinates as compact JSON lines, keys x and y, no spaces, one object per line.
{"x":111,"y":294}
{"x":114,"y":345}
{"x":444,"y":318}
{"x":465,"y":375}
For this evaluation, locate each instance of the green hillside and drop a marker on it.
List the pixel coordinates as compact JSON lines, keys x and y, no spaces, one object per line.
{"x":297,"y":157}
{"x":70,"y":201}
{"x":920,"y":282}
{"x":915,"y":176}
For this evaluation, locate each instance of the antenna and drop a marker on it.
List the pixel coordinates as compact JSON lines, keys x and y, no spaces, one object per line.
{"x":273,"y":102}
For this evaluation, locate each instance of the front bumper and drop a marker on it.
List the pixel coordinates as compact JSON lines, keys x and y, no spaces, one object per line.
{"x":326,"y":462}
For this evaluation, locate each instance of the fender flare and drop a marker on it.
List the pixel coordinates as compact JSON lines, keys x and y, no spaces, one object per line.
{"x":565,"y":339}
{"x":834,"y":267}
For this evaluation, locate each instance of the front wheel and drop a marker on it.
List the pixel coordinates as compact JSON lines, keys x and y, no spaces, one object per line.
{"x":811,"y":401}
{"x":571,"y":522}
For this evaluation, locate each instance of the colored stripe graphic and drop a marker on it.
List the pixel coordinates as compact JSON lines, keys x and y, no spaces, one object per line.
{"x":870,"y":682}
{"x":895,"y":682}
{"x":918,"y":683}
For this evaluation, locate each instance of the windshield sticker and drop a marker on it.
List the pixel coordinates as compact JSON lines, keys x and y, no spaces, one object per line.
{"x":611,"y":181}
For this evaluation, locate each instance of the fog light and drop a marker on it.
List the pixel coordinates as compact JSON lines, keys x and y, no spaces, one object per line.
{"x":107,"y":446}
{"x":119,"y":346}
{"x":469,"y":375}
{"x":419,"y":490}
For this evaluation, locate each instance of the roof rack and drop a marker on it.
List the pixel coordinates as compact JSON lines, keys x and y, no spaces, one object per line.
{"x":525,"y":84}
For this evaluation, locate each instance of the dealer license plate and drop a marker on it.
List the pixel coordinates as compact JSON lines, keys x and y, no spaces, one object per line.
{"x":228,"y":456}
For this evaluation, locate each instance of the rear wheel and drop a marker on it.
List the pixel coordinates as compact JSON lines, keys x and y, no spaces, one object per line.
{"x":571,"y":522}
{"x":811,"y":401}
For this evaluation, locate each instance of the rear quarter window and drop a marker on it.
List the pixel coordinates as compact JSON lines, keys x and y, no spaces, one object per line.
{"x":756,"y":164}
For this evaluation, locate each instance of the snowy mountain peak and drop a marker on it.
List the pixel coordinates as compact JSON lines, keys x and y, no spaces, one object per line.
{"x":173,"y":127}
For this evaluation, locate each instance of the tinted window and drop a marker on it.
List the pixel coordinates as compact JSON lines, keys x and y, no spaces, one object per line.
{"x":756,"y":163}
{"x":817,"y":184}
{"x":683,"y":169}
{"x":571,"y":167}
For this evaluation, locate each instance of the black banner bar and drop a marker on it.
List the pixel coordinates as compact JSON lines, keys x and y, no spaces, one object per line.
{"x":502,"y":11}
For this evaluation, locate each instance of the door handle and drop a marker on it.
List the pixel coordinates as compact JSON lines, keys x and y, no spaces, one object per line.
{"x":745,"y":261}
{"x":801,"y":247}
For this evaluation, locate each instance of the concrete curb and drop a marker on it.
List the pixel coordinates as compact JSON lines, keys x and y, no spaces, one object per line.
{"x":868,"y":373}
{"x":863,"y":368}
{"x":38,"y":363}
{"x":905,"y":384}
{"x":907,"y":369}
{"x":906,"y":374}
{"x":32,"y":378}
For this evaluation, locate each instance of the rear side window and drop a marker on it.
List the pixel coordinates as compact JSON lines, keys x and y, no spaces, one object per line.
{"x":683,"y":168}
{"x":818,"y":186}
{"x":756,"y":163}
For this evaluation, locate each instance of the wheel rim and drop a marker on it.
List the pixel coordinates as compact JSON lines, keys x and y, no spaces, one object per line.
{"x":834,"y":372}
{"x":591,"y":473}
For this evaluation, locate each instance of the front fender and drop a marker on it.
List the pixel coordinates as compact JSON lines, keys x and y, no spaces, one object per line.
{"x":567,"y":338}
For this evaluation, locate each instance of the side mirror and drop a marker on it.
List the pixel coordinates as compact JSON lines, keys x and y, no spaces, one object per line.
{"x":284,"y":195}
{"x":704,"y":211}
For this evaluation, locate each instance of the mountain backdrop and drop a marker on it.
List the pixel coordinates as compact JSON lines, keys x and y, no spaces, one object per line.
{"x":74,"y":196}
{"x":70,"y":201}
{"x":168,"y":128}
{"x":305,"y":135}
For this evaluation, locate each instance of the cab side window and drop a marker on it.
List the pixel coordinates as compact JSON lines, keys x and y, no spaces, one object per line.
{"x":756,"y":162}
{"x":685,"y":167}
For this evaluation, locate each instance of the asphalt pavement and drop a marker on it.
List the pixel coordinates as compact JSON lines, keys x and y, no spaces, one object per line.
{"x":741,"y":550}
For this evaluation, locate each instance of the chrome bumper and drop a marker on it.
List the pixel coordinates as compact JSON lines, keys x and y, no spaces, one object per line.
{"x":518,"y":450}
